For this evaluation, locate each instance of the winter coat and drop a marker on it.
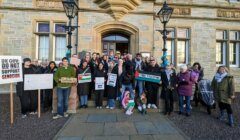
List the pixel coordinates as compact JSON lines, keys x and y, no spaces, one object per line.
{"x":64,"y":72}
{"x":185,"y":81}
{"x":126,"y":78}
{"x":20,"y":85}
{"x":112,"y":91}
{"x":83,"y":88}
{"x":99,"y":73}
{"x":224,"y":89}
{"x":166,"y":84}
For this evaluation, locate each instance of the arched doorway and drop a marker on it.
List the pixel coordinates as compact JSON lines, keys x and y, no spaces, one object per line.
{"x":121,"y":35}
{"x":115,"y":42}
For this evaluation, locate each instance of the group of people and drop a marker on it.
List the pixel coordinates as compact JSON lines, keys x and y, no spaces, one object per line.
{"x":128,"y":91}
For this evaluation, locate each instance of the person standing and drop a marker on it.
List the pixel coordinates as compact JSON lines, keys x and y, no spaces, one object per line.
{"x":28,"y":98}
{"x":152,"y":88}
{"x":169,"y":86}
{"x":48,"y":93}
{"x":63,"y":89}
{"x":223,"y":88}
{"x":83,"y":88}
{"x":99,"y":72}
{"x":198,"y":70}
{"x":185,"y":82}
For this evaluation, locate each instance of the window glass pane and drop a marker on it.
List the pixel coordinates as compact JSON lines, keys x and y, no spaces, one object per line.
{"x":170,"y":49}
{"x":61,"y":47}
{"x":181,"y":52}
{"x":121,"y":38}
{"x":43,"y":27}
{"x":60,"y":28}
{"x":182,"y":33}
{"x":43,"y":48}
{"x":220,"y":52}
{"x":234,"y":35}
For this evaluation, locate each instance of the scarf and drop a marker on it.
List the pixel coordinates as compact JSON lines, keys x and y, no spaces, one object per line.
{"x":168,"y":73}
{"x":219,"y":76}
{"x":138,"y":64}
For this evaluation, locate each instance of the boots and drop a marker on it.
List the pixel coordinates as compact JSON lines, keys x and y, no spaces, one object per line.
{"x":230,"y":120}
{"x":221,"y":115}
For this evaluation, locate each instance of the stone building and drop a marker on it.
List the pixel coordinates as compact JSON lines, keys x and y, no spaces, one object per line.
{"x":206,"y":31}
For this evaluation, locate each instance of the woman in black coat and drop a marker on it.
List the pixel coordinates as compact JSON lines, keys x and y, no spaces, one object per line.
{"x":28,"y":98}
{"x":99,"y":72}
{"x":112,"y":91}
{"x":169,"y":87}
{"x":48,"y":93}
{"x":83,"y":88}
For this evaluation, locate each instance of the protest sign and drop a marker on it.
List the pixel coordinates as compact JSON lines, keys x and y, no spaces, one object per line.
{"x":10,"y":72}
{"x":84,"y":78}
{"x":75,"y":61}
{"x":148,"y":76}
{"x":10,"y":69}
{"x":38,"y":82}
{"x":112,"y":78}
{"x":99,"y":83}
{"x":68,"y":80}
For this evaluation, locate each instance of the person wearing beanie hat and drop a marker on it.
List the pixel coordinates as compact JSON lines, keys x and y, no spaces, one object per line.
{"x":28,"y":99}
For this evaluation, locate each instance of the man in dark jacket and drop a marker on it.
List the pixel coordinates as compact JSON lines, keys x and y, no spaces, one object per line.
{"x":28,"y":99}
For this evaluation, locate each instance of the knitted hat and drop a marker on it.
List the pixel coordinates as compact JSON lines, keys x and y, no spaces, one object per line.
{"x":26,"y":59}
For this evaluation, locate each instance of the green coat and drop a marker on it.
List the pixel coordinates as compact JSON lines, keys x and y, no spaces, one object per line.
{"x":224,"y":90}
{"x":64,"y":72}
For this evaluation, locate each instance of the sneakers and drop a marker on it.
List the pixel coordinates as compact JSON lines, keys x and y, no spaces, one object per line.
{"x":57,"y":117}
{"x":33,"y":113}
{"x":154,"y":106}
{"x":24,"y":116}
{"x":107,"y":107}
{"x":66,"y":115}
{"x":149,"y":106}
{"x":111,"y":107}
{"x":100,"y":107}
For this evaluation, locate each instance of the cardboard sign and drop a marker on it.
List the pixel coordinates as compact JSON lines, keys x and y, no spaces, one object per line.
{"x":112,"y":79}
{"x":68,"y":80}
{"x":147,"y":76}
{"x":75,"y":61}
{"x":10,"y":69}
{"x":38,"y":81}
{"x":84,"y":78}
{"x":99,"y":83}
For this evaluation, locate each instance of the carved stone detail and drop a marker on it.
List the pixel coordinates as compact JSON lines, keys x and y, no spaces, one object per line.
{"x":181,"y":11}
{"x":118,"y":8}
{"x":49,"y":3}
{"x":228,"y":14}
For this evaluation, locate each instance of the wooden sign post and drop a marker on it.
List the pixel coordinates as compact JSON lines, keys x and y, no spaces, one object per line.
{"x":11,"y":72}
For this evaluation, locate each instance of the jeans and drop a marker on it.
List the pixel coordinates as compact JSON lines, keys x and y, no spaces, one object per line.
{"x":139,"y":85}
{"x":62,"y":96}
{"x":111,"y":103}
{"x":187,"y":98}
{"x":84,"y":99}
{"x":130,"y":88}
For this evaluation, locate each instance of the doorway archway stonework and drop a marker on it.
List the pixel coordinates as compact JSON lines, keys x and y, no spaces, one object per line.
{"x":119,"y":27}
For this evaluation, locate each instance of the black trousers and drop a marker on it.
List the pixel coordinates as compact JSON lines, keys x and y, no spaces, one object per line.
{"x":224,"y":106}
{"x":28,"y":102}
{"x":169,"y":101}
{"x":152,"y":94}
{"x":99,"y":97}
{"x":48,"y":95}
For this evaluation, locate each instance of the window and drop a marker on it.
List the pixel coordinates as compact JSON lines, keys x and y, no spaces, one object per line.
{"x":43,"y":41}
{"x":183,"y":44}
{"x":234,"y":0}
{"x":221,"y":46}
{"x":60,"y":41}
{"x":234,"y":48}
{"x":178,"y":41}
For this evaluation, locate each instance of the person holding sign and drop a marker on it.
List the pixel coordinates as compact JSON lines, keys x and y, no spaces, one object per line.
{"x":28,"y":98}
{"x":84,"y":80}
{"x":64,"y":77}
{"x":99,"y":72}
{"x":111,"y":85}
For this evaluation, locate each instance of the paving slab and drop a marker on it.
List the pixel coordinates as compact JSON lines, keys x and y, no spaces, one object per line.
{"x":70,"y":138}
{"x":133,"y":118}
{"x":102,"y":118}
{"x":106,"y":138}
{"x":141,"y":137}
{"x":119,"y":128}
{"x":168,"y":137}
{"x":165,"y":128}
{"x":146,"y":128}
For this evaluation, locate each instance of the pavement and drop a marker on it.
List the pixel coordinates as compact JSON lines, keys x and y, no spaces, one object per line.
{"x":93,"y":124}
